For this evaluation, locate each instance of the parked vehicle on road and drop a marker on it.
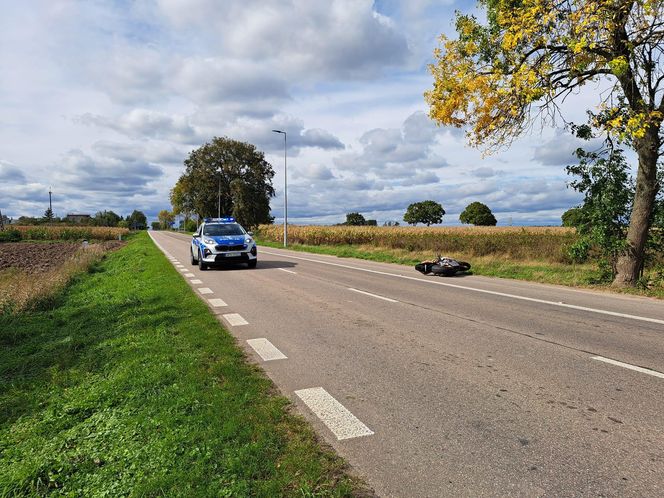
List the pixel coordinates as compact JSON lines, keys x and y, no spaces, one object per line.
{"x":442,"y":266}
{"x":222,"y":240}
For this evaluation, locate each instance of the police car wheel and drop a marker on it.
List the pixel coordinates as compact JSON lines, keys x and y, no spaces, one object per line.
{"x":191,"y":256}
{"x":252,"y":263}
{"x":201,"y":264}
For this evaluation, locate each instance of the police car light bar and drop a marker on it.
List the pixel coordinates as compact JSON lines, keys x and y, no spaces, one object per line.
{"x":228,"y":219}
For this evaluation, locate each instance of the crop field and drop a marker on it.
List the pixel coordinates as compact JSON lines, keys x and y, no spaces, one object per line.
{"x":515,"y":243}
{"x":44,"y":232}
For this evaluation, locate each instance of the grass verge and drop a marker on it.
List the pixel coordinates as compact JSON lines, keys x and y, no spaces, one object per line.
{"x":130,"y":386}
{"x":573,"y":275}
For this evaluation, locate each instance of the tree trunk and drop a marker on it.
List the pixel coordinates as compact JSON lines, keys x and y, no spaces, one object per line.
{"x":630,"y":262}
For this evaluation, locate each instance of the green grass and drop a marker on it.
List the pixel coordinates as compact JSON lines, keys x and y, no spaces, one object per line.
{"x":573,"y":275}
{"x":129,"y":386}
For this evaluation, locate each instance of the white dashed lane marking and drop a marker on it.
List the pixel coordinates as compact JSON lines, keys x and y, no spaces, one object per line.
{"x":266,"y":349}
{"x":654,"y":373}
{"x":474,"y":289}
{"x":373,"y":295}
{"x":196,"y":281}
{"x":205,"y":290}
{"x":235,"y":320}
{"x":217,"y":303}
{"x":287,"y":271}
{"x":189,"y":275}
{"x":342,"y":423}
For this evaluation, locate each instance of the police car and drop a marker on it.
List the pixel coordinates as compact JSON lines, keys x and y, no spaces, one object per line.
{"x":222,"y":240}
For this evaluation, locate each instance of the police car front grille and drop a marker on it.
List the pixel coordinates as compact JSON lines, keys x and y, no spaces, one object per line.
{"x":237,"y":247}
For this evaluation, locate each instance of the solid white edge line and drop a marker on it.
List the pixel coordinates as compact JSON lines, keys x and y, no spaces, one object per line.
{"x":337,"y":418}
{"x":473,"y":289}
{"x":373,"y":295}
{"x":287,"y":271}
{"x":647,"y":371}
{"x":266,"y":350}
{"x":235,"y":319}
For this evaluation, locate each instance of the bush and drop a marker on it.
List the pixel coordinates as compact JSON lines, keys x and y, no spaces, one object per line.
{"x":579,"y":251}
{"x":12,"y":235}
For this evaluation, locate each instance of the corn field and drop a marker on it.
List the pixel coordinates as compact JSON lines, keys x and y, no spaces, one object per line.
{"x":43,"y":232}
{"x":515,"y":243}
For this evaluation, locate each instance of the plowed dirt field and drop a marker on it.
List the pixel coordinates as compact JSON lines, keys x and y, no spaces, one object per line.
{"x":39,"y":257}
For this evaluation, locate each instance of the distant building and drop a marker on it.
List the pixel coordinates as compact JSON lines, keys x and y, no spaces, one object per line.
{"x":78,"y":218}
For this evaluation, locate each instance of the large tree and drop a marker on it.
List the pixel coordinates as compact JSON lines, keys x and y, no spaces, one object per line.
{"x":531,"y":54}
{"x":477,"y":213}
{"x":355,"y":219}
{"x":106,"y":219}
{"x":226,"y":177}
{"x":181,"y":199}
{"x":137,"y":220}
{"x":166,"y":218}
{"x":428,"y":212}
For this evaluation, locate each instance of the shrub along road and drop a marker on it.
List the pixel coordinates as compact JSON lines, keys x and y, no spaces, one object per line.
{"x":465,"y":386}
{"x":128,"y":385}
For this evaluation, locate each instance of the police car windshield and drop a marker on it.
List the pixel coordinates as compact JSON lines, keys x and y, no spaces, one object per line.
{"x":223,"y":229}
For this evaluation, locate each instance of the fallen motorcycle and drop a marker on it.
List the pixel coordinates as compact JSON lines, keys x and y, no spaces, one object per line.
{"x":442,"y":266}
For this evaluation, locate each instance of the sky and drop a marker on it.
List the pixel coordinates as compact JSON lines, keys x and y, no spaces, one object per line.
{"x":102,"y":100}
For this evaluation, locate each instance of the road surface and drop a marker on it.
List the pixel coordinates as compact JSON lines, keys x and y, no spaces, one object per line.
{"x":464,"y":386}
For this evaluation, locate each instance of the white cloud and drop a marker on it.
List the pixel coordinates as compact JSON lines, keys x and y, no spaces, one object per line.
{"x":302,"y":38}
{"x":108,"y":98}
{"x":144,"y":123}
{"x":316,"y":172}
{"x":10,"y":173}
{"x":396,"y":154}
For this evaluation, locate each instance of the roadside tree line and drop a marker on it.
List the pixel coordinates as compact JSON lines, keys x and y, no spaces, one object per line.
{"x":135,"y":221}
{"x":431,"y":213}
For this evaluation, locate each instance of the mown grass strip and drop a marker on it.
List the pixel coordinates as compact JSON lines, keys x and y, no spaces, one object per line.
{"x":129,"y":386}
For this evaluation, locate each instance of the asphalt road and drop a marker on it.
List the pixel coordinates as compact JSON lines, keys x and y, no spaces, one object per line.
{"x":464,"y":386}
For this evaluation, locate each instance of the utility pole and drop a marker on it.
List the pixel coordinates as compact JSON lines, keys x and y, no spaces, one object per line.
{"x":50,"y":204}
{"x":2,"y":224}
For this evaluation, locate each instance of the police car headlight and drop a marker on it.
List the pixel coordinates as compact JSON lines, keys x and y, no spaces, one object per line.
{"x":248,"y":240}
{"x":209,"y":241}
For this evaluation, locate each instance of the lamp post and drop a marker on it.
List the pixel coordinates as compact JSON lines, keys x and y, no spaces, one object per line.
{"x":219,"y":198}
{"x":285,"y":190}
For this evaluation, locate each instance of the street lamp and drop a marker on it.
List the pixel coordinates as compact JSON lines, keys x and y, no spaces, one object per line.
{"x":285,"y":191}
{"x":219,"y":198}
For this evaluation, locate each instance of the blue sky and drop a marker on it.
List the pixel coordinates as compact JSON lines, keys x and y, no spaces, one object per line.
{"x":102,"y":101}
